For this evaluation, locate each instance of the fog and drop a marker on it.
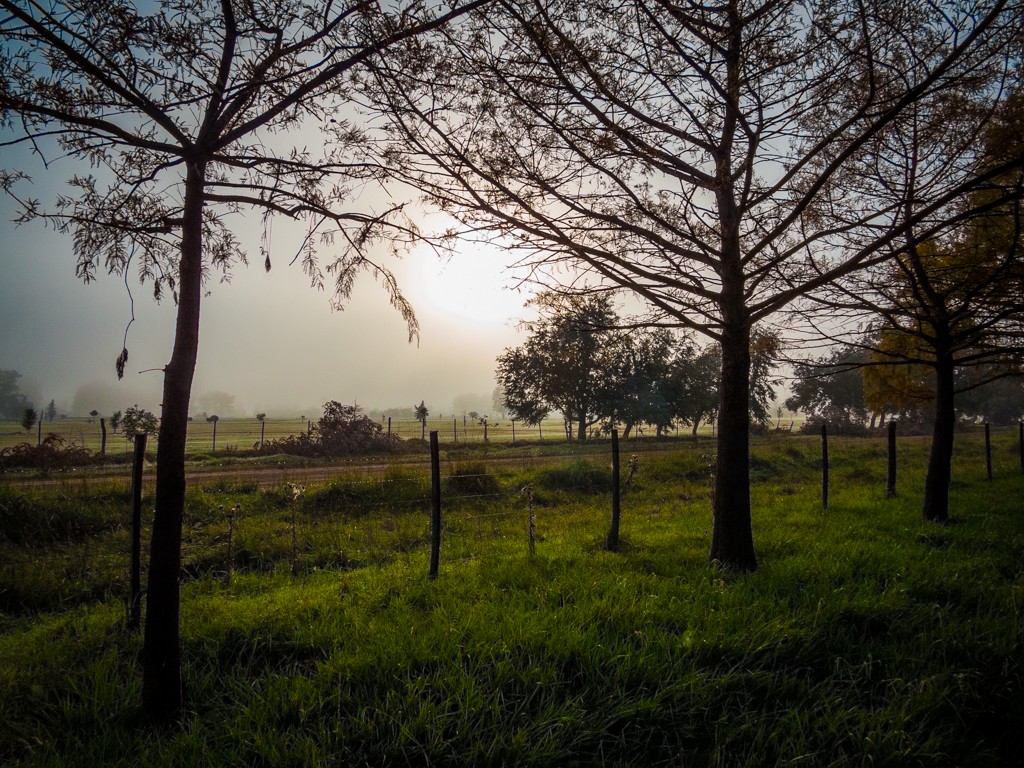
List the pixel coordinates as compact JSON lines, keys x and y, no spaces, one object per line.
{"x":268,"y":342}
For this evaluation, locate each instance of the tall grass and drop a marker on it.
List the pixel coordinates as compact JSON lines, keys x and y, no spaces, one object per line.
{"x":866,"y":636}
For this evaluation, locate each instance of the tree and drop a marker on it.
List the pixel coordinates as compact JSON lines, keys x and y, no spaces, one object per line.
{"x":639,"y":391}
{"x":999,"y":402}
{"x":115,"y":421}
{"x":139,"y":421}
{"x":180,"y":110}
{"x":51,"y":411}
{"x":695,"y":155}
{"x":566,"y":363}
{"x":693,"y":377}
{"x":953,"y":303}
{"x":830,"y":389}
{"x":890,"y":387}
{"x":12,"y":401}
{"x":93,"y":414}
{"x":28,"y":418}
{"x":217,"y":402}
{"x":764,"y":350}
{"x":420,"y":413}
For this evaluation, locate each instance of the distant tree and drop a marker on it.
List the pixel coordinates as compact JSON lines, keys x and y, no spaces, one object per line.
{"x":473,"y":415}
{"x":51,"y":411}
{"x":420,"y":413}
{"x":12,"y":401}
{"x":28,"y":418}
{"x":566,"y":363}
{"x":217,"y":402}
{"x":999,"y":402}
{"x":694,"y":373}
{"x":138,"y":421}
{"x":693,"y":383}
{"x":498,"y":401}
{"x":93,"y":414}
{"x":640,"y":390}
{"x":831,"y":389}
{"x":115,"y":421}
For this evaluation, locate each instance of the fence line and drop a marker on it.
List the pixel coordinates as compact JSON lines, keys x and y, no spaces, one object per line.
{"x":351,"y":522}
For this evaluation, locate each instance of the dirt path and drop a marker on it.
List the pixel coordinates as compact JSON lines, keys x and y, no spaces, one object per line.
{"x":271,"y":476}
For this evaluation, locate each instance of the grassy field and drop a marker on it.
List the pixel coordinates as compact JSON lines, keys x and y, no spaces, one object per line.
{"x":867,"y":637}
{"x":242,"y":434}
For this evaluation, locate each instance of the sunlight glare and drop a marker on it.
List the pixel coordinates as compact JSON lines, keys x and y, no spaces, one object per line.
{"x":474,"y":287}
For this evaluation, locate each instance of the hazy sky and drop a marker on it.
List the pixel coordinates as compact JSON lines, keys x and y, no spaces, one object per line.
{"x":269,"y":340}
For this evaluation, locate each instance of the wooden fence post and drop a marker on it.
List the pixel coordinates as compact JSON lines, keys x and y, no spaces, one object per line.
{"x":824,"y":466}
{"x":513,"y":431}
{"x":1020,"y":445}
{"x":435,"y":505}
{"x":613,"y":532}
{"x":890,"y":481}
{"x":455,"y":430}
{"x":135,"y":596}
{"x":988,"y":452}
{"x":103,"y":436}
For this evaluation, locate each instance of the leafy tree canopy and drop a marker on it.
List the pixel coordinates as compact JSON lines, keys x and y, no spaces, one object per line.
{"x":139,"y":421}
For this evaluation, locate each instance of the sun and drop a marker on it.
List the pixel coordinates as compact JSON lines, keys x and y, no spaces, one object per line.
{"x":471,"y":287}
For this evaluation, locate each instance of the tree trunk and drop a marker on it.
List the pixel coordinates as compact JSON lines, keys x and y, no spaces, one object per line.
{"x":163,"y":692}
{"x":696,"y":424}
{"x":732,"y":543}
{"x":936,"y":481}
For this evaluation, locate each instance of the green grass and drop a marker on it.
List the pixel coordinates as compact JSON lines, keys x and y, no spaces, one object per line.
{"x":239,"y":435}
{"x":866,"y":636}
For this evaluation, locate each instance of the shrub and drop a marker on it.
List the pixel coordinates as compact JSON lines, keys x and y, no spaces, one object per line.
{"x":52,"y":453}
{"x":344,"y":430}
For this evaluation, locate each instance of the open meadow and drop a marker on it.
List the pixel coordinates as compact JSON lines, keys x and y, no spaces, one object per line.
{"x":312,"y":635}
{"x":242,"y":434}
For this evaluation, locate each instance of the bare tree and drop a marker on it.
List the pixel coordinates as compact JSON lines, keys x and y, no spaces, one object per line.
{"x":690,"y":153}
{"x":181,"y":111}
